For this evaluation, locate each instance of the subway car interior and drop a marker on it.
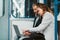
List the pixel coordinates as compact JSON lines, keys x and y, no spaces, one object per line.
{"x":16,"y":15}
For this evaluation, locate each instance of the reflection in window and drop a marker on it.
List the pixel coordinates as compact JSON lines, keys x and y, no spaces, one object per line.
{"x":18,"y":8}
{"x":28,"y":8}
{"x":22,"y":8}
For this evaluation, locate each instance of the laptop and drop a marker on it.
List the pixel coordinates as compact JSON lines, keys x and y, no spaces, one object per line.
{"x":18,"y":33}
{"x":17,"y":30}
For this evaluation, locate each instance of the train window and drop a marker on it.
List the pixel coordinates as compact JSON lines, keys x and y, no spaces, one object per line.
{"x":50,"y":4}
{"x":22,"y":8}
{"x":28,"y":8}
{"x":17,"y":8}
{"x":58,"y":12}
{"x":58,"y":0}
{"x":59,"y":8}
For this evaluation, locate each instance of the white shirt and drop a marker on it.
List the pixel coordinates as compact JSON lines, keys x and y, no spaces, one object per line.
{"x":46,"y":27}
{"x":36,"y":20}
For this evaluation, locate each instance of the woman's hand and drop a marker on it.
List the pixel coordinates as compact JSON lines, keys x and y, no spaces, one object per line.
{"x":26,"y":33}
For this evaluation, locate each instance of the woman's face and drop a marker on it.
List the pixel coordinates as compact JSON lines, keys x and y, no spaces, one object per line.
{"x":35,"y":9}
{"x":40,"y":11}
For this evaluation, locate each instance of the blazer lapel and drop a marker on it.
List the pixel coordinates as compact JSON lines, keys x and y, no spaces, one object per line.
{"x":37,"y":21}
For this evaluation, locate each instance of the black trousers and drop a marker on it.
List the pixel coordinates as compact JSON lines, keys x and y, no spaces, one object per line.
{"x":35,"y":36}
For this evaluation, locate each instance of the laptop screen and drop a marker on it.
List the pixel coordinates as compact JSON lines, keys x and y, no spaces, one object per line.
{"x":16,"y":30}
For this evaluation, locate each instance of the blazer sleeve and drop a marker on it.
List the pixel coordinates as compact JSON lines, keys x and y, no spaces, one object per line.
{"x":47,"y":19}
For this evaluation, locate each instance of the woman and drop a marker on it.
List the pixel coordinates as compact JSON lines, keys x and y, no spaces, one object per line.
{"x":47,"y":25}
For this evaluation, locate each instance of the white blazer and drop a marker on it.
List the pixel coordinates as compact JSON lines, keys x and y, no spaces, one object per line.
{"x":46,"y":27}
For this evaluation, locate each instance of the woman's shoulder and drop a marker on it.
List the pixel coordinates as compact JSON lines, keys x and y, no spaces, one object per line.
{"x":48,"y":15}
